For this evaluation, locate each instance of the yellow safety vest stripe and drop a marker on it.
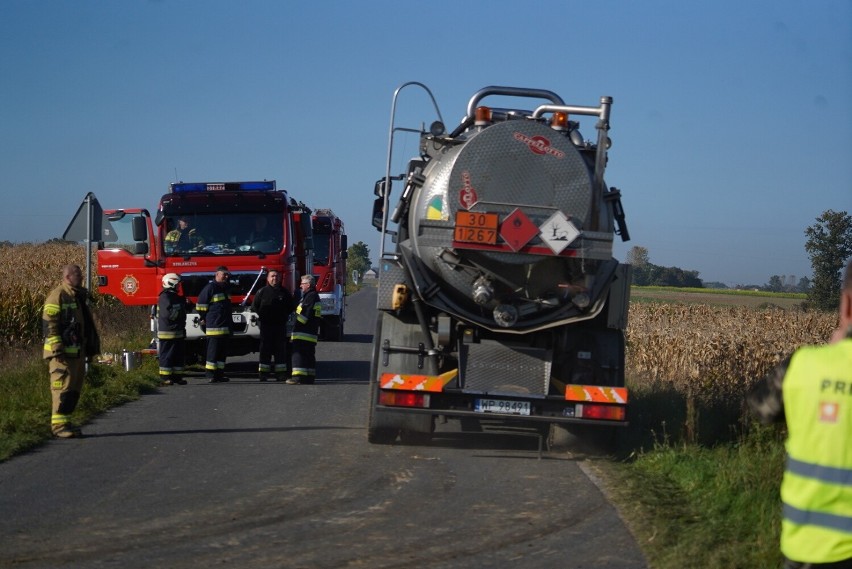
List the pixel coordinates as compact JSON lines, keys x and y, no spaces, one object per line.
{"x":304,"y":337}
{"x":167,"y":335}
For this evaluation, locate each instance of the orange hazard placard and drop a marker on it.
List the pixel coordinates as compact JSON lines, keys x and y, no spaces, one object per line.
{"x":476,"y":227}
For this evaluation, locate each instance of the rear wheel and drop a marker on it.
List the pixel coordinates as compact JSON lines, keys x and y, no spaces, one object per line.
{"x":418,"y":429}
{"x":332,"y":328}
{"x":581,"y":439}
{"x":384,"y":426}
{"x":381,"y":428}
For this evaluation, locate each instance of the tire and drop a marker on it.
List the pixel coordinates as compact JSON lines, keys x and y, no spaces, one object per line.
{"x":384,"y":427}
{"x":590,"y":440}
{"x":417,"y":429}
{"x":332,"y":328}
{"x":380,"y":430}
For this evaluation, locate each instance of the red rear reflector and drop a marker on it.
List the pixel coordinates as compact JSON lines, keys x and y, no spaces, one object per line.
{"x":605,"y":412}
{"x":403,"y":399}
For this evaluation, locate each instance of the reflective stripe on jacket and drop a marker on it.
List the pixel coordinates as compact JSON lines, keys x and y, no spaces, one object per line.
{"x":308,"y":315}
{"x":214,"y":306}
{"x":817,"y":486}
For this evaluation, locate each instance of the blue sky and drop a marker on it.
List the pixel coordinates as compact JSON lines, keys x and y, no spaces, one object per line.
{"x":731,"y":122}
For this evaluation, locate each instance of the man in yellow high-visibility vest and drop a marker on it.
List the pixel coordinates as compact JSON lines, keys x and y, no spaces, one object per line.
{"x":812,"y":392}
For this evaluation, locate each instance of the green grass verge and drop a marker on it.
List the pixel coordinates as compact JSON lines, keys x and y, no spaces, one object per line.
{"x":25,"y":398}
{"x":692,"y":506}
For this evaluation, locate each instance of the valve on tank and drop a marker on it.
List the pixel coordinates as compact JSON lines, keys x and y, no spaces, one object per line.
{"x":483,"y":290}
{"x":505,"y":315}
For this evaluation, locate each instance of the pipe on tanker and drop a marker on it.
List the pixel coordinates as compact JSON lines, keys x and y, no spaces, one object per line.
{"x":511,"y":92}
{"x":432,"y":368}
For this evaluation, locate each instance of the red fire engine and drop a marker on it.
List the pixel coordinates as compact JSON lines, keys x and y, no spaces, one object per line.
{"x":330,"y":271}
{"x":250,"y":227}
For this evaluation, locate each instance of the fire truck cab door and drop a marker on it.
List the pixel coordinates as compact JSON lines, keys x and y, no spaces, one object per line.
{"x":128,"y":261}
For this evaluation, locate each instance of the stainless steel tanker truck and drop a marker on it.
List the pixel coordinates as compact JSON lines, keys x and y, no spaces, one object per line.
{"x":498,"y":297}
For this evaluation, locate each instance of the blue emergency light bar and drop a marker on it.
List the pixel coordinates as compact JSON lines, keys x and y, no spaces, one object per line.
{"x":193,"y":187}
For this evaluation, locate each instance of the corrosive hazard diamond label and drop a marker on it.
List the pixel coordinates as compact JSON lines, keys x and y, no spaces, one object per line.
{"x":517,"y":230}
{"x":558,"y":232}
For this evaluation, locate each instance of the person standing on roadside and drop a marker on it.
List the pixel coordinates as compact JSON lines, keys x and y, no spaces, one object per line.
{"x":305,"y":331}
{"x":171,"y":331}
{"x":214,"y":308}
{"x":810,"y":392}
{"x":273,"y":304}
{"x":70,"y":339}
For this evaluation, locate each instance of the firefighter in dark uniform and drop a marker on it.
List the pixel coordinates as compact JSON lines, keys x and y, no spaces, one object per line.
{"x":304,"y":337}
{"x":811,"y":392}
{"x":70,"y":339}
{"x":273,"y":304}
{"x":171,"y":331}
{"x":214,"y":308}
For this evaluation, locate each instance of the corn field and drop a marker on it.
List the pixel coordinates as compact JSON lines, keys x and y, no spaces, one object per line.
{"x":33,"y":270}
{"x":715,"y":353}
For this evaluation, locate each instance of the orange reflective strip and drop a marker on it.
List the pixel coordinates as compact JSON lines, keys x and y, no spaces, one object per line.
{"x":411,"y":382}
{"x":596,"y":394}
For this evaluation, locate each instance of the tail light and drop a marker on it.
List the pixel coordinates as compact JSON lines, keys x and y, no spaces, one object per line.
{"x":404,"y":399}
{"x":604,"y":412}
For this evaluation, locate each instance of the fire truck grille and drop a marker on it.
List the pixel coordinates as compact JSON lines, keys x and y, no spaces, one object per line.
{"x":494,"y":368}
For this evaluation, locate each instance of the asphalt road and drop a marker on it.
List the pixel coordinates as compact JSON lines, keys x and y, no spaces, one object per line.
{"x":263,"y":475}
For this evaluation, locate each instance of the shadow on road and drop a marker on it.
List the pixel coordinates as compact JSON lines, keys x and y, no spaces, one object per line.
{"x":358,"y":338}
{"x":218,"y":431}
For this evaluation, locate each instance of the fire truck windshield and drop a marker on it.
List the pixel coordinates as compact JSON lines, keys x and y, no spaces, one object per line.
{"x":220,"y":233}
{"x":322,"y":247}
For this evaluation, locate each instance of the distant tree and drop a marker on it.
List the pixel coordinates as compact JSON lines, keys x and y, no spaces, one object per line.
{"x":804,"y":285}
{"x":638,"y":257}
{"x":829,"y":245}
{"x":776,"y":283}
{"x":715,"y":284}
{"x":675,"y":276}
{"x":645,"y":273}
{"x":359,"y":257}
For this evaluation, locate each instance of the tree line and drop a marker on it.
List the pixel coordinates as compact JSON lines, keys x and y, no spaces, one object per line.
{"x":828,"y":244}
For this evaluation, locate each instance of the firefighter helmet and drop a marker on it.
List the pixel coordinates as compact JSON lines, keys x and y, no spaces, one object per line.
{"x":171,"y":281}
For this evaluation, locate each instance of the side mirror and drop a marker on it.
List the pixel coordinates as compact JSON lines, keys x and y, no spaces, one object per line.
{"x":141,"y":249}
{"x":378,"y":210}
{"x":382,"y":187}
{"x":140,"y":229}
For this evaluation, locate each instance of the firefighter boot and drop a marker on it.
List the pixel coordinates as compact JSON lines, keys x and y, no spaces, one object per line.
{"x":67,"y":431}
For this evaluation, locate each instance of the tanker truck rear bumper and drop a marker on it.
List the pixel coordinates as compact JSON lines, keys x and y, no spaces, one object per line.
{"x":599,"y":405}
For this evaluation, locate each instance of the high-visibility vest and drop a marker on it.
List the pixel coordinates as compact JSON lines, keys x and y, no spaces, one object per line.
{"x":817,"y":488}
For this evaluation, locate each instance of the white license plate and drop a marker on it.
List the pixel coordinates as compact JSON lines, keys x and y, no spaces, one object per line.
{"x":237,"y":318}
{"x":502,"y":406}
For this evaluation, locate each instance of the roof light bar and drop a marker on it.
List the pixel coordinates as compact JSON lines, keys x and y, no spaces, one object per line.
{"x":200,"y":187}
